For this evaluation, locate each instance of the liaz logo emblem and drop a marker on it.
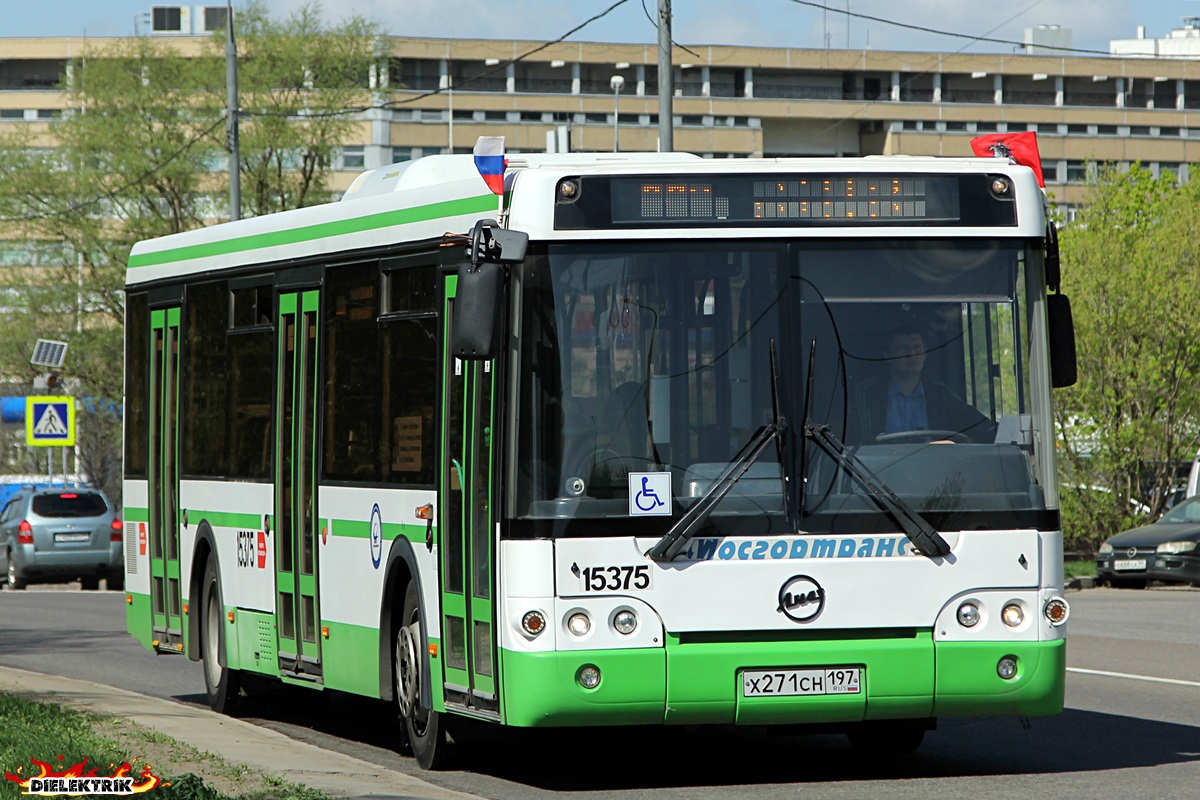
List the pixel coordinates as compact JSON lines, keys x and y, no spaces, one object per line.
{"x":801,"y":598}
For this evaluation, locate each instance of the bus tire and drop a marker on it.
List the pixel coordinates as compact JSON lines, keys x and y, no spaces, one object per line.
{"x":423,"y":726}
{"x":220,"y":682}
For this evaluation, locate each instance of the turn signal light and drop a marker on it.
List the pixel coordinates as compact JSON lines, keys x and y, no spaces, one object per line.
{"x":533,"y":623}
{"x":1056,"y":611}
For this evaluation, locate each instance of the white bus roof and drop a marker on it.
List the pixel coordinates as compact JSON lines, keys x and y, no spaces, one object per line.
{"x":424,"y":199}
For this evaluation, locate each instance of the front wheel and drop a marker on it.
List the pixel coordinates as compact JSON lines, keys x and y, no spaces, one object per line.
{"x":220,"y":682}
{"x":422,"y":724}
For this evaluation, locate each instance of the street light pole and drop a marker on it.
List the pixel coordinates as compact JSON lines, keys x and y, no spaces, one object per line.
{"x":616,"y":83}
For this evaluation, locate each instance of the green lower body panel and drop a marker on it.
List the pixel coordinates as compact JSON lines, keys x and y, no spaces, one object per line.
{"x":909,"y":677}
{"x":251,"y":644}
{"x":968,"y":684}
{"x":137,"y":619}
{"x":350,"y":659}
{"x":541,"y":689}
{"x":705,"y":683}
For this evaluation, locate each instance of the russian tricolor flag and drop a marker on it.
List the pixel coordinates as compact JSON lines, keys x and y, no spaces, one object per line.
{"x":490,"y":161}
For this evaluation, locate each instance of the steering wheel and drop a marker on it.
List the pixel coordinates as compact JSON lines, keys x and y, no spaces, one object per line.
{"x":922,"y":437}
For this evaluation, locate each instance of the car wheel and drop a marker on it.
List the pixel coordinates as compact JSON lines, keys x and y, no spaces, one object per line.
{"x":15,"y":579}
{"x":115,"y":582}
{"x":220,"y":682}
{"x":89,"y":584}
{"x":409,"y":653}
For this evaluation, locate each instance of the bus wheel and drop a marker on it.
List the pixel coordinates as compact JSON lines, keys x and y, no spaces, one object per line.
{"x":220,"y":682}
{"x":423,"y":725}
{"x":888,"y":738}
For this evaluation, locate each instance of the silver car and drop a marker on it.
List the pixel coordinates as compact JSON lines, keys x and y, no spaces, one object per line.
{"x":57,"y":535}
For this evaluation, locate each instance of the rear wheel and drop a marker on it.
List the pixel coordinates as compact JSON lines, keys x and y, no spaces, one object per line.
{"x":15,"y":579}
{"x":421,"y":723}
{"x":115,"y":582}
{"x":220,"y":682}
{"x":89,"y":584}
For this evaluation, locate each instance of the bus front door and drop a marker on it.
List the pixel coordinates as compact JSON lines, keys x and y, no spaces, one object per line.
{"x":466,"y":526}
{"x":166,"y":600}
{"x":297,"y":619}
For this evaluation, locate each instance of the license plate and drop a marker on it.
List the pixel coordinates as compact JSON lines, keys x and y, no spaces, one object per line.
{"x":795,"y":682}
{"x":1130,"y":563}
{"x":72,"y":537}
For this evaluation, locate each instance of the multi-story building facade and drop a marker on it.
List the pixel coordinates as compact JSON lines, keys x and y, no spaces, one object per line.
{"x":439,"y":95}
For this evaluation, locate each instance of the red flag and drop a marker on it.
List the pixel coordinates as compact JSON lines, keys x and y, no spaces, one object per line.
{"x":1019,"y":148}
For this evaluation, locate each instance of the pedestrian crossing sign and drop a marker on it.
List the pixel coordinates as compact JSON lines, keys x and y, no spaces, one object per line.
{"x":50,"y":421}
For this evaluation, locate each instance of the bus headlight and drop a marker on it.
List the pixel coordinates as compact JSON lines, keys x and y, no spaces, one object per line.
{"x":968,"y":615}
{"x":1012,"y":615}
{"x":1006,"y":667}
{"x":579,"y":624}
{"x":625,"y":622}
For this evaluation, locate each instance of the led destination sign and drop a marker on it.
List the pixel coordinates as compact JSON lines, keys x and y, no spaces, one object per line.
{"x":804,"y":200}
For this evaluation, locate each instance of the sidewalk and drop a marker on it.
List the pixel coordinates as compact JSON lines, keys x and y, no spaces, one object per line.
{"x":232,"y":739}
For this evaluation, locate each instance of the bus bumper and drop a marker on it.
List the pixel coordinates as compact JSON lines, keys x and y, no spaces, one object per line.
{"x":700,"y":682}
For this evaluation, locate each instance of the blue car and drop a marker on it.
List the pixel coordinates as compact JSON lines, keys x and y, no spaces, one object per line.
{"x":58,"y":535}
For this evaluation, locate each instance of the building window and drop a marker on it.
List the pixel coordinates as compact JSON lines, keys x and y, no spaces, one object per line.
{"x":353,"y":157}
{"x":214,"y":18}
{"x":167,"y":18}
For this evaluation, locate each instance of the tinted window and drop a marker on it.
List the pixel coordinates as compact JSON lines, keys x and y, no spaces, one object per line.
{"x":70,"y":504}
{"x":137,"y":346}
{"x":205,"y":380}
{"x":380,"y":375}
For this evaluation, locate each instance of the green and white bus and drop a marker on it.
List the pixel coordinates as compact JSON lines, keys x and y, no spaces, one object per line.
{"x":602,"y":450}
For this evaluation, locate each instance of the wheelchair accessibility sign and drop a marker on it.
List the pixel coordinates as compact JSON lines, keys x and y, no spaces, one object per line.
{"x":50,"y":421}
{"x":649,"y":494}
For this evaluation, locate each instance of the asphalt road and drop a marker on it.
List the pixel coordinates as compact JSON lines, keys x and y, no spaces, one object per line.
{"x":1131,"y":729}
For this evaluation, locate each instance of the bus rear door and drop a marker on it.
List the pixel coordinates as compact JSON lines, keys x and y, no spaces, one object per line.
{"x":296,"y":520}
{"x":166,"y":602}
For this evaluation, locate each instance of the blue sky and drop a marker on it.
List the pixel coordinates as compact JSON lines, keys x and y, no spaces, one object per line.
{"x":772,"y":23}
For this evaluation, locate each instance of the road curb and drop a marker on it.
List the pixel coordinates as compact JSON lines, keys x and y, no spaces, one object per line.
{"x":234,"y":740}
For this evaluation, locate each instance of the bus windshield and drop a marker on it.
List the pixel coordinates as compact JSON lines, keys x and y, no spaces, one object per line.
{"x":667,"y":359}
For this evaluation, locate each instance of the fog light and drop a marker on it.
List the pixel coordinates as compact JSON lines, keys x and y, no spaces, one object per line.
{"x":1012,"y":615}
{"x":1007,"y":667}
{"x":588,"y":676}
{"x":579,"y":624}
{"x":625,"y":622}
{"x":534,"y":622}
{"x":968,"y":615}
{"x":1057,"y":611}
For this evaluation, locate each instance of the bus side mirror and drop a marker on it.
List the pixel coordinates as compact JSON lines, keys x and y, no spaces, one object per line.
{"x":1063,"y":371}
{"x":475,"y":329}
{"x":479,"y":296}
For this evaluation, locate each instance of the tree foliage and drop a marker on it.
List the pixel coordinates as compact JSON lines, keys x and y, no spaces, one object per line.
{"x":1130,"y":268}
{"x":139,"y":153}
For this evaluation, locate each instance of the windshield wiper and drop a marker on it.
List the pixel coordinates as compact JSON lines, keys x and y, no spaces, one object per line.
{"x":676,"y":540}
{"x":923,"y":535}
